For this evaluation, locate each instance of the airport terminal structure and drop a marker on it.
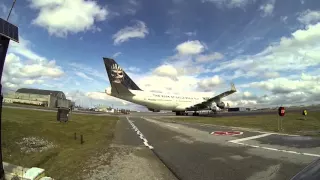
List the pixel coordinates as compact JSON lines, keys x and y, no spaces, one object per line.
{"x":38,"y":97}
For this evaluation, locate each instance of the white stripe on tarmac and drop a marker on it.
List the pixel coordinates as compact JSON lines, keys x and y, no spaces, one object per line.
{"x":250,"y":138}
{"x":279,"y":150}
{"x":145,"y":141}
{"x":172,"y":126}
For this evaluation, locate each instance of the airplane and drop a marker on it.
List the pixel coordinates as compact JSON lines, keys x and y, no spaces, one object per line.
{"x":124,"y":88}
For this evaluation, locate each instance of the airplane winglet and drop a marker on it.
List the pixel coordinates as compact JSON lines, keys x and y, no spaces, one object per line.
{"x":233,"y":88}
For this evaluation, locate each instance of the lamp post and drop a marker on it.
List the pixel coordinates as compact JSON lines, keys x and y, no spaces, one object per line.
{"x":8,"y":32}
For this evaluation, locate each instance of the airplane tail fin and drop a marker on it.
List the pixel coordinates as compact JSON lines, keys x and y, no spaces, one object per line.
{"x":233,"y":88}
{"x":119,"y":80}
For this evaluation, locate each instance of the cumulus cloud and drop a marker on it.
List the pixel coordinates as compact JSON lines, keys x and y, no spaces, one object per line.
{"x":139,"y":30}
{"x":18,"y":73}
{"x":295,"y":90}
{"x":190,"y":47}
{"x":166,"y":71}
{"x":267,"y":9}
{"x":306,"y":83}
{"x":208,"y":84}
{"x":62,"y":17}
{"x":309,"y":17}
{"x":295,"y":53}
{"x":24,"y":67}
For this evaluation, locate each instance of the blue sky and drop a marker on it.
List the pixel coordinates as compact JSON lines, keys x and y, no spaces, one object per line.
{"x":268,"y":48}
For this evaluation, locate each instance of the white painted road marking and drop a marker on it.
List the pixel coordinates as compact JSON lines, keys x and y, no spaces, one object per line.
{"x":227,"y":133}
{"x":250,"y":138}
{"x":145,"y":141}
{"x":239,"y":141}
{"x":172,"y":126}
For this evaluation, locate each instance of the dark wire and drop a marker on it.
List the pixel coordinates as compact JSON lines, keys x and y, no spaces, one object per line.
{"x":14,"y":1}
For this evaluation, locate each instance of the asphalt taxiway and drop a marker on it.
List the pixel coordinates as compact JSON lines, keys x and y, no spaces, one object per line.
{"x":189,"y":151}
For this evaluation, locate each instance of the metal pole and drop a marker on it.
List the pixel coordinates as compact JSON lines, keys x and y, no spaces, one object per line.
{"x":14,"y":1}
{"x":4,"y":43}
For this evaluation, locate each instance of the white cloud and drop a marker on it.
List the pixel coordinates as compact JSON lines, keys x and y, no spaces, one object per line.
{"x":267,"y":9}
{"x":88,"y":70}
{"x":209,"y":57}
{"x":301,"y":90}
{"x":105,"y":97}
{"x":208,"y":84}
{"x":306,"y":83}
{"x":169,"y":85}
{"x":61,"y":17}
{"x":270,"y":74}
{"x":166,"y":71}
{"x":92,"y":99}
{"x":186,"y":65}
{"x":309,"y":17}
{"x":18,"y":73}
{"x":190,"y":47}
{"x":33,"y":81}
{"x":230,"y":3}
{"x":23,"y":48}
{"x":294,"y":53}
{"x":83,"y":75}
{"x":25,"y":67}
{"x":116,"y":54}
{"x":139,"y":30}
{"x":284,"y":19}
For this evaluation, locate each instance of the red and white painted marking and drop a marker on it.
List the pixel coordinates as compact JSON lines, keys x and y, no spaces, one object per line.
{"x":226,"y":133}
{"x":240,"y":142}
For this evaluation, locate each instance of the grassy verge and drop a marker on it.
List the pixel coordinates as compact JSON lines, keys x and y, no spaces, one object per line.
{"x":66,"y":159}
{"x":292,"y":122}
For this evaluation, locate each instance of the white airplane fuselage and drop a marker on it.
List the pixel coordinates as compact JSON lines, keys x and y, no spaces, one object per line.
{"x":162,"y":101}
{"x":123,"y":87}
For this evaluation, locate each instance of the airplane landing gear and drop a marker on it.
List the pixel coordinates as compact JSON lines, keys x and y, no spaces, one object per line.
{"x":181,"y":113}
{"x":195,"y":114}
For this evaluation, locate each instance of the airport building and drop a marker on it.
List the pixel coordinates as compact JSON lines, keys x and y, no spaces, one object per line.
{"x":39,"y":97}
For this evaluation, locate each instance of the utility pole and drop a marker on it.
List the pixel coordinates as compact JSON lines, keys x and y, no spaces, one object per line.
{"x":8,"y":32}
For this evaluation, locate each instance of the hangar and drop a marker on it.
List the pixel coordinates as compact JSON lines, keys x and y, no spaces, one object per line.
{"x":39,"y":97}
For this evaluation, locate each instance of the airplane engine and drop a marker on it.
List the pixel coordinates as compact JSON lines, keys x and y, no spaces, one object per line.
{"x":221,"y":105}
{"x":153,"y":110}
{"x":212,"y":107}
{"x":108,"y":91}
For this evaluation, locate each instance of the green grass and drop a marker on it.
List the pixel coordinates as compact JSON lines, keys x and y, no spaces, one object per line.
{"x":68,"y":159}
{"x":292,"y":122}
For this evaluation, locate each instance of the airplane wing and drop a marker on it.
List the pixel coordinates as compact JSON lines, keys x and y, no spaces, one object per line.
{"x":209,"y":101}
